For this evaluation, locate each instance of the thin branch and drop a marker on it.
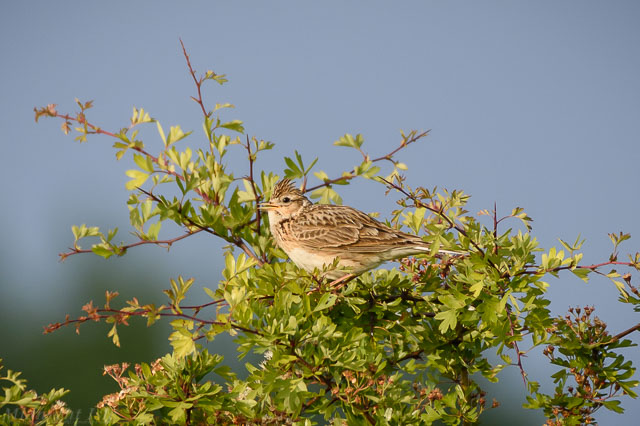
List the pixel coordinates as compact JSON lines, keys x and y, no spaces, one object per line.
{"x":516,"y":348}
{"x":168,"y":243}
{"x":197,"y":81}
{"x":593,"y":267}
{"x":495,"y":227}
{"x":253,"y":185}
{"x":95,"y":130}
{"x":104,"y":313}
{"x":404,"y":144}
{"x":312,"y":401}
{"x":330,"y":182}
{"x":199,"y":307}
{"x":623,"y":334}
{"x":411,"y":355}
{"x":369,"y":417}
{"x":387,"y":157}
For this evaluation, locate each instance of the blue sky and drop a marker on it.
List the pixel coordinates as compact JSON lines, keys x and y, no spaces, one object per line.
{"x":531,"y":104}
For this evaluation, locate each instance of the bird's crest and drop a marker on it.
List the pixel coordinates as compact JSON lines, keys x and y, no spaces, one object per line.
{"x":285,"y":186}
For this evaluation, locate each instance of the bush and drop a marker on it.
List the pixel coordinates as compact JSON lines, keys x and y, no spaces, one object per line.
{"x":399,"y":346}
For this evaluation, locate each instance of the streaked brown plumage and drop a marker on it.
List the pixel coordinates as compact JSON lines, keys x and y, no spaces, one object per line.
{"x":313,"y":235}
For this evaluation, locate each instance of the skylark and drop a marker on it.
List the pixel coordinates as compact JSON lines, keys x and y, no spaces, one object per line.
{"x":314,"y":235}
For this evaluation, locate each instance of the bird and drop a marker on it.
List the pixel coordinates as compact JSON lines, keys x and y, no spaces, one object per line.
{"x":315,"y":235}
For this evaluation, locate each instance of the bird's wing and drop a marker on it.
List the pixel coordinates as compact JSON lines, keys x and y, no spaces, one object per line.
{"x":345,"y":228}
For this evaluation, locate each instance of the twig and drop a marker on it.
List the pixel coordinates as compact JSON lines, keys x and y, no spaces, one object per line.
{"x":168,"y":242}
{"x":410,"y":355}
{"x":388,"y":157}
{"x":369,"y":417}
{"x":197,"y":81}
{"x":516,"y":348}
{"x":104,"y":313}
{"x":253,"y":185}
{"x":495,"y":227}
{"x":593,"y":267}
{"x":623,"y":334}
{"x":199,"y":307}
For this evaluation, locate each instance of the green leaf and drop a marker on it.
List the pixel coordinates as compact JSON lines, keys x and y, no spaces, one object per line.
{"x":247,"y":195}
{"x":101,"y":250}
{"x":349,"y":141}
{"x":140,"y":116}
{"x":182,"y":340}
{"x":371,"y":172}
{"x":161,"y":132}
{"x":221,"y":106}
{"x":326,"y":195}
{"x":235,"y":125}
{"x":113,"y":333}
{"x":218,"y":78}
{"x":451,"y":302}
{"x":143,"y":162}
{"x":154,"y":230}
{"x":321,"y":175}
{"x":613,"y":405}
{"x":582,"y":273}
{"x":292,"y":171}
{"x":138,"y":178}
{"x":175,"y":134}
{"x":84,"y":231}
{"x":621,"y":288}
{"x":449,"y":320}
{"x":327,"y":300}
{"x":296,"y":169}
{"x":414,"y":219}
{"x":477,"y":288}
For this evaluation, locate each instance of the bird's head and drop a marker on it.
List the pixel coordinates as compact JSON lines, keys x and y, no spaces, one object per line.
{"x":286,"y":200}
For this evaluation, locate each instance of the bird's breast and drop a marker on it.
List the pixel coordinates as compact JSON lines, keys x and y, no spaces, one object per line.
{"x":309,"y":259}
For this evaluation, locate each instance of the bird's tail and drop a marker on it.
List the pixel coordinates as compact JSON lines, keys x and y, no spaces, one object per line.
{"x":453,"y":252}
{"x":427,"y":249}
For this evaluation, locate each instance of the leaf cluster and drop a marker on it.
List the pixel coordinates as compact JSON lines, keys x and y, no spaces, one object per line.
{"x":22,"y":406}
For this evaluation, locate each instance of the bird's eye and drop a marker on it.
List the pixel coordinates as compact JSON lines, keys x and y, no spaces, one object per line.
{"x":286,"y":199}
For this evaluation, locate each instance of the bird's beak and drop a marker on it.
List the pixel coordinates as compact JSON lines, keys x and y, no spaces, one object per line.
{"x":267,"y":206}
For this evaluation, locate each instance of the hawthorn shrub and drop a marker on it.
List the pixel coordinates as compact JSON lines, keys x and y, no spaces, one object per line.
{"x":399,"y":346}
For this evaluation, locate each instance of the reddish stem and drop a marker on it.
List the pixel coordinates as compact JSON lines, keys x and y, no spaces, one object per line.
{"x":197,"y":81}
